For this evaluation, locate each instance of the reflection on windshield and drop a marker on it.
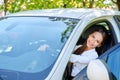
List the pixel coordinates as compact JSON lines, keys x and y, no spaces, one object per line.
{"x":32,"y":44}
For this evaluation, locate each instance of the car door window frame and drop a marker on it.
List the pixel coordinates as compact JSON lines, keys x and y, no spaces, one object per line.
{"x":110,"y":26}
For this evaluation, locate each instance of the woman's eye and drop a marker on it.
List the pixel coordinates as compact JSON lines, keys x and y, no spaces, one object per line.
{"x":97,"y":41}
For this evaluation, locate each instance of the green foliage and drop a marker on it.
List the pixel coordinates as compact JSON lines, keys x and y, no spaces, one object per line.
{"x":22,"y":5}
{"x":99,"y":3}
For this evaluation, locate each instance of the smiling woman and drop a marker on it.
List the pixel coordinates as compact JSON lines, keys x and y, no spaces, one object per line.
{"x":85,"y":53}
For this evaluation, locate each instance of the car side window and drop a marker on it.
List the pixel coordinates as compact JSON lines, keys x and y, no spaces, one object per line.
{"x":108,"y":43}
{"x":101,"y":50}
{"x":117,"y":18}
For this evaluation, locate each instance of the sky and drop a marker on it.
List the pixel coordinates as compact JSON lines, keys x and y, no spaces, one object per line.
{"x":1,"y":1}
{"x":107,"y":1}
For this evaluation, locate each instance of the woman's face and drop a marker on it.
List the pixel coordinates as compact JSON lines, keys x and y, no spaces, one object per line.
{"x":94,"y":40}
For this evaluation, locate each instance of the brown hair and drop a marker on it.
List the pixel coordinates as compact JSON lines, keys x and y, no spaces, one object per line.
{"x":81,"y":49}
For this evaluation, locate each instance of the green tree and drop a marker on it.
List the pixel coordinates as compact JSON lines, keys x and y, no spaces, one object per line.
{"x":21,"y":5}
{"x":93,"y":3}
{"x":117,"y":2}
{"x":5,"y":8}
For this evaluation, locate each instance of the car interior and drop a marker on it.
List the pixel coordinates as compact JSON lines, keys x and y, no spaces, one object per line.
{"x":107,"y":44}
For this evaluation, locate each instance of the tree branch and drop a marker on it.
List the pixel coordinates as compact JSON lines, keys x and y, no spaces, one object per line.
{"x":114,"y":1}
{"x":91,"y":3}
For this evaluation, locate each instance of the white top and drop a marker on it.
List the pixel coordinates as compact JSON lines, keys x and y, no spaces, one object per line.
{"x":81,"y":61}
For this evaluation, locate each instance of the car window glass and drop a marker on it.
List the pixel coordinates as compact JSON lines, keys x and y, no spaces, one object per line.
{"x":33,"y":42}
{"x":114,"y":63}
{"x":118,"y":17}
{"x":118,"y":20}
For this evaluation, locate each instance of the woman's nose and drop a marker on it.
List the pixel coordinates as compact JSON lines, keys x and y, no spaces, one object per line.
{"x":93,"y":40}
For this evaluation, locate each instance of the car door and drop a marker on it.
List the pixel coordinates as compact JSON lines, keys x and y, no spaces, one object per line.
{"x":112,"y":58}
{"x":113,"y":63}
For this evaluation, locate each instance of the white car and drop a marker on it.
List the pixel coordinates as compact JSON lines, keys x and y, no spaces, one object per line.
{"x":37,"y":44}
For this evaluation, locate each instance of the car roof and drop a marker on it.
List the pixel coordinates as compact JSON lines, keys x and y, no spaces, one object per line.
{"x":78,"y":13}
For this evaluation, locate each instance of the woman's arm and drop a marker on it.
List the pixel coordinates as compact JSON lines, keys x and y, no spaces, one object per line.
{"x":82,"y":58}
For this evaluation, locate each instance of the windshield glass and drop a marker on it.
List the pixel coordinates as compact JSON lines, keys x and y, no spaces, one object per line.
{"x":32,"y":44}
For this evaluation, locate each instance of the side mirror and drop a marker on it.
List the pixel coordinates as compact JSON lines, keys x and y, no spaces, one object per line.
{"x":97,"y":70}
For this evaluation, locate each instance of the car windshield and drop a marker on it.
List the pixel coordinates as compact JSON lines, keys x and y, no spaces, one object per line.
{"x":32,"y":44}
